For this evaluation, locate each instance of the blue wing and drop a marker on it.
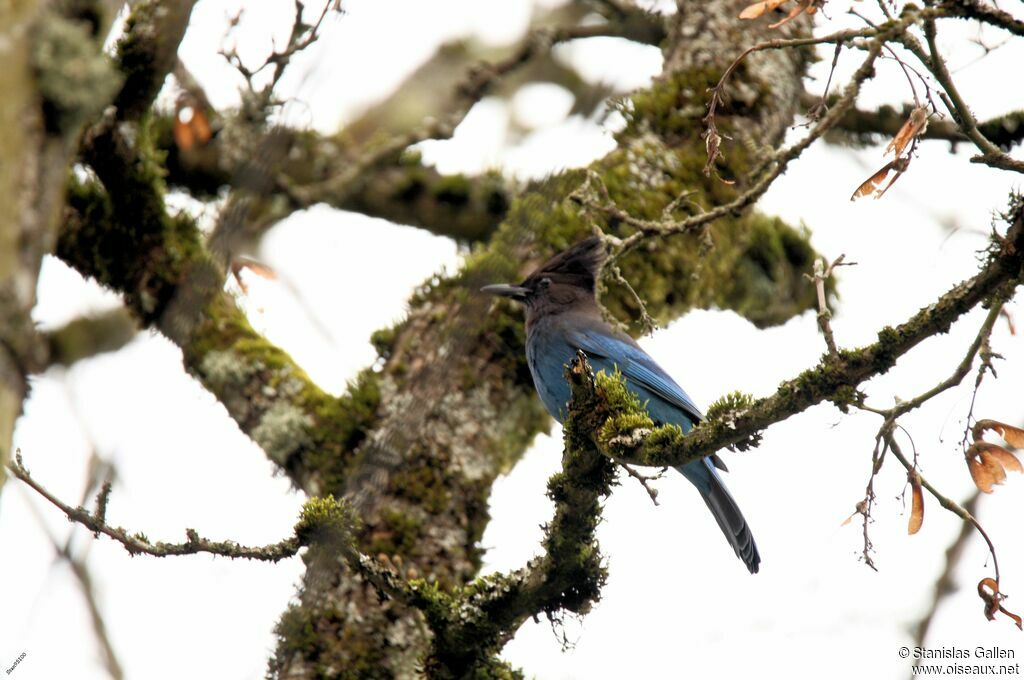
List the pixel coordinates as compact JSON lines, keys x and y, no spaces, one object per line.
{"x":638,"y":367}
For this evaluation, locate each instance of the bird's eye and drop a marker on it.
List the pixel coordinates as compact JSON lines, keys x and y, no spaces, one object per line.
{"x":544,"y":283}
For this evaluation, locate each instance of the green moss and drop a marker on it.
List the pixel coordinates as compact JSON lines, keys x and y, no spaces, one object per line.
{"x":888,"y":343}
{"x":120,"y":232}
{"x":340,"y":425}
{"x":424,"y":483}
{"x":846,"y":396}
{"x":613,"y":389}
{"x":334,"y":650}
{"x":325,"y":520}
{"x":660,"y":444}
{"x":671,"y":107}
{"x":141,"y":56}
{"x":383,"y":341}
{"x":728,"y":405}
{"x":437,"y":606}
{"x":453,"y":189}
{"x":296,"y":633}
{"x":397,"y":533}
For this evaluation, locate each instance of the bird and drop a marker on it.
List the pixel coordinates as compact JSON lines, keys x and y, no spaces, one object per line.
{"x":563,"y":317}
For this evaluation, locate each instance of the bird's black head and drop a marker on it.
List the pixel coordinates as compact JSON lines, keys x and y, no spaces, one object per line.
{"x":568,"y":276}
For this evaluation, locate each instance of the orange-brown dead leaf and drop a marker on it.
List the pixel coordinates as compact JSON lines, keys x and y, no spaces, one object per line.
{"x":988,"y":591}
{"x":194,"y":130}
{"x":201,"y":126}
{"x":916,"y":505}
{"x":980,"y":474}
{"x":184,"y":139}
{"x":872,"y":184}
{"x":992,"y":464}
{"x":804,"y":6}
{"x":1014,"y":436}
{"x":758,"y":9}
{"x":915,"y":125}
{"x":1007,"y":460}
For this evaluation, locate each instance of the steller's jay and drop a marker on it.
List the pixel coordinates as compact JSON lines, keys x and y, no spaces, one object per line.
{"x":562,"y":317}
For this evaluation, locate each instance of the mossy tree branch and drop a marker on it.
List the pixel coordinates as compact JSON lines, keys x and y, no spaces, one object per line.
{"x":306,"y":431}
{"x":326,"y":526}
{"x":402,"y":190}
{"x":470,"y":625}
{"x":137,"y":543}
{"x":398,"y":187}
{"x":119,"y":231}
{"x":89,"y":336}
{"x":975,"y":9}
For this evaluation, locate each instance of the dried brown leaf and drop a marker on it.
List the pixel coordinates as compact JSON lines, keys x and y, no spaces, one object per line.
{"x":194,"y":130}
{"x":184,"y":138}
{"x":200,"y":125}
{"x":1016,"y":619}
{"x":980,"y":474}
{"x":793,"y":14}
{"x":988,"y":591}
{"x":1009,"y":461}
{"x":992,"y":464}
{"x":872,"y":184}
{"x":915,"y":125}
{"x":758,"y":9}
{"x":916,"y":505}
{"x":1014,"y":436}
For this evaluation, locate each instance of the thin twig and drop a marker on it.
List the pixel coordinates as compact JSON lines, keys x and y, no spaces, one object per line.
{"x":644,"y":479}
{"x":821,"y":275}
{"x":944,"y":584}
{"x":944,"y":501}
{"x":137,"y":543}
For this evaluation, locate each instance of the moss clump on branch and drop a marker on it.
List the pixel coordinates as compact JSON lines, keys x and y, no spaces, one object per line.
{"x":145,"y":260}
{"x":325,"y":520}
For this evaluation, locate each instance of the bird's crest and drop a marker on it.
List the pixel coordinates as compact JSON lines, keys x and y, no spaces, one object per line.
{"x":576,"y":266}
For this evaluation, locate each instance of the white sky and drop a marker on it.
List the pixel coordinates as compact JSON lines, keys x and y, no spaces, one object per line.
{"x":677,"y":601}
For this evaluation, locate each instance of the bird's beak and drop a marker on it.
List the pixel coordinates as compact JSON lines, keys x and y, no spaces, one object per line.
{"x":505,"y":290}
